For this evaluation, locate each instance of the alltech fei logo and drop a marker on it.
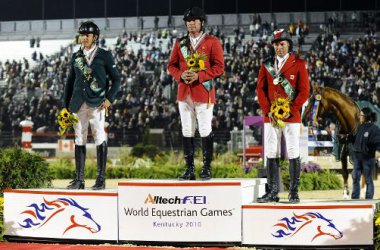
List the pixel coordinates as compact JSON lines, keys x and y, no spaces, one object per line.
{"x":188,"y":199}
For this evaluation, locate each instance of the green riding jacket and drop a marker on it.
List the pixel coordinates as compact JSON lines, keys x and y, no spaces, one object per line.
{"x":79,"y":89}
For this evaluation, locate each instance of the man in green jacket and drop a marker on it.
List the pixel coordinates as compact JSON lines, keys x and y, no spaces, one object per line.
{"x":88,"y":94}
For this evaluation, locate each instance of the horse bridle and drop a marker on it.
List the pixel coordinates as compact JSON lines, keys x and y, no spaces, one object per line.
{"x":314,"y":113}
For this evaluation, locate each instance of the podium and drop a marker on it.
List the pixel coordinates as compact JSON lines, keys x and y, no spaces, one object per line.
{"x":60,"y":215}
{"x":218,"y":212}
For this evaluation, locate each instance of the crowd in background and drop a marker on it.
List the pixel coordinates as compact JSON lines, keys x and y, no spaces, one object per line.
{"x":148,"y":94}
{"x":351,"y":66}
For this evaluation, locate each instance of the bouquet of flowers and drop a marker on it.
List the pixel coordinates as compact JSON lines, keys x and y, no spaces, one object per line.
{"x":66,"y":120}
{"x":196,"y":61}
{"x":280,"y":109}
{"x":376,"y":230}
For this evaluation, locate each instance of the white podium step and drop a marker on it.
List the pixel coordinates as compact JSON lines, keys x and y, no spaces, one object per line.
{"x":309,"y":224}
{"x":184,"y":211}
{"x":215,"y":212}
{"x":57,"y":214}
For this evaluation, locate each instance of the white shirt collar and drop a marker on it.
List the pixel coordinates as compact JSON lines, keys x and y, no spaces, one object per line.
{"x":194,"y":40}
{"x":89,"y":52}
{"x":282,"y":59}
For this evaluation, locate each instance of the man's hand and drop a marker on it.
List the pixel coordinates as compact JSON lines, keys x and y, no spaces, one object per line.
{"x":189,"y":76}
{"x":271,"y":118}
{"x":377,"y":154}
{"x":193,"y":76}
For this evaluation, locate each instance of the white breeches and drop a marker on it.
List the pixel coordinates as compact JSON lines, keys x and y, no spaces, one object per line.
{"x":272,"y":137}
{"x":195,"y":111}
{"x":96,"y":118}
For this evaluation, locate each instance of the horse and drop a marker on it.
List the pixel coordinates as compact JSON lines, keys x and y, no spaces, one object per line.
{"x":313,"y":224}
{"x":325,"y":99}
{"x":75,"y":215}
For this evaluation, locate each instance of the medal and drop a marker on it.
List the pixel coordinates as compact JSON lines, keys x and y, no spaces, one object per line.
{"x":89,"y":70}
{"x":275,"y":81}
{"x":278,"y":80}
{"x":94,"y":85}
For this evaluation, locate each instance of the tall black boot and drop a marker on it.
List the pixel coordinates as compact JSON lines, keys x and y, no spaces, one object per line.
{"x":268,"y":185}
{"x":188,"y":154}
{"x":101,"y":156}
{"x":80,"y":159}
{"x":294,"y":172}
{"x":273,"y":182}
{"x":207,"y":150}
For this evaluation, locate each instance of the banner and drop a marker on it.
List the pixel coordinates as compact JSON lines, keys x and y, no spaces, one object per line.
{"x":180,"y":211}
{"x":308,"y":225}
{"x":66,"y":146}
{"x":61,"y":214}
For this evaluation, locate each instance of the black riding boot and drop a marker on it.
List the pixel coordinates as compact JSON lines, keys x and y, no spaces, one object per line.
{"x":188,"y":154}
{"x":273,"y":182}
{"x":80,"y":159}
{"x":101,"y":155}
{"x":268,"y":185}
{"x":294,"y":172}
{"x":207,"y":150}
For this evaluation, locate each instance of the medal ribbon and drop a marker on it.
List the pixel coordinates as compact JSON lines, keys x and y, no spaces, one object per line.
{"x":91,"y":57}
{"x":277,"y":67}
{"x":285,"y":84}
{"x":197,"y":41}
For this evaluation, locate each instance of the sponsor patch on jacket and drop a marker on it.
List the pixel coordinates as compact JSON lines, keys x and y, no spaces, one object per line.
{"x":291,"y":77}
{"x":366,"y":134}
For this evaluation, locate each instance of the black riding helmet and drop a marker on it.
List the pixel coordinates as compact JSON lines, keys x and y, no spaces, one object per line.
{"x":281,"y":35}
{"x":89,"y":27}
{"x":194,"y":12}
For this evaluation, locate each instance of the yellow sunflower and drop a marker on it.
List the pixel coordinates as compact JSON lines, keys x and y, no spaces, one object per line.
{"x":191,"y":62}
{"x":280,"y":109}
{"x":196,"y":61}
{"x":377,"y":222}
{"x":66,"y":121}
{"x":201,"y":64}
{"x":64,"y":112}
{"x":281,"y":112}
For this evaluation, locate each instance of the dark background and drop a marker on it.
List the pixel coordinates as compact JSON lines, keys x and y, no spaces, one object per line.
{"x":11,"y":10}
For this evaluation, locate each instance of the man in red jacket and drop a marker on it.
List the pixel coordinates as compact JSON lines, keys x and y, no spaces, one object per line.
{"x":195,"y":61}
{"x":283,"y":77}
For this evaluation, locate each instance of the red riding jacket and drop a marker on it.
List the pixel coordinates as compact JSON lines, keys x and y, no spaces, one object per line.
{"x":295,"y":70}
{"x":214,"y":67}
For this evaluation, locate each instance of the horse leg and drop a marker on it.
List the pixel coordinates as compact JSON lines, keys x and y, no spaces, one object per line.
{"x":346,"y":191}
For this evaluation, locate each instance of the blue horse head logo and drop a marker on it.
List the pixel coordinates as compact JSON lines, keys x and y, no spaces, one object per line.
{"x":75,"y":216}
{"x":316,"y":222}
